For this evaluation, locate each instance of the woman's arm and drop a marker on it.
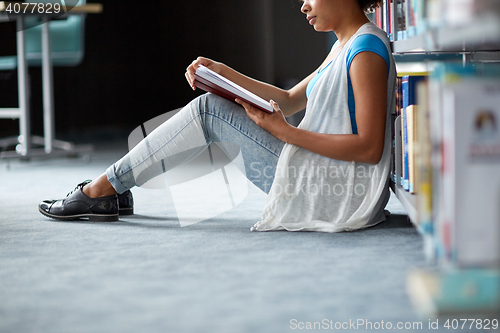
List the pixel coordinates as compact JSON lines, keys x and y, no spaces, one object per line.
{"x":368,"y":74}
{"x":291,"y":101}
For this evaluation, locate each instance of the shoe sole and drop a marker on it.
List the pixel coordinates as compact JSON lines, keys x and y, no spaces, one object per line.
{"x":91,"y":217}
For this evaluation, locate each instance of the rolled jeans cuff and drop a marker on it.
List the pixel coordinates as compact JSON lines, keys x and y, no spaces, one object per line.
{"x":114,"y":180}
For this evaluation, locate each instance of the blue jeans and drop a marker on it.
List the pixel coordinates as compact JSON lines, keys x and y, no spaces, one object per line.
{"x":208,"y":118}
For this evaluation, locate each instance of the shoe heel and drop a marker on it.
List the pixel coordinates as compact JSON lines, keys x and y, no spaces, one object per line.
{"x":103,"y":218}
{"x":126,"y":211}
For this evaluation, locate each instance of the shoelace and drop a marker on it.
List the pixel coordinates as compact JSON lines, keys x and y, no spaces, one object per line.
{"x":81,"y":185}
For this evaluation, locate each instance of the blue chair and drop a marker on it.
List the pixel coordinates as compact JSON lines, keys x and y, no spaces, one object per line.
{"x":67,"y":49}
{"x":67,"y":41}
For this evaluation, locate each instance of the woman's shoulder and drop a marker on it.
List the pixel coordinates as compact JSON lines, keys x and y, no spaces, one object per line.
{"x":367,"y":40}
{"x":371,"y":28}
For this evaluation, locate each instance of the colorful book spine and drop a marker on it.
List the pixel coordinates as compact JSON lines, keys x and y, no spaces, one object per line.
{"x":404,"y":134}
{"x":389,"y":19}
{"x":411,"y":111}
{"x":423,"y":174}
{"x":399,"y":105}
{"x":401,"y":19}
{"x":376,"y":17}
{"x":384,"y":15}
{"x":404,"y":156}
{"x":420,"y":16}
{"x":410,"y":15}
{"x":409,"y":84}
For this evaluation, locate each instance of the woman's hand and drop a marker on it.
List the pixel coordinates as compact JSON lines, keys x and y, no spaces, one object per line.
{"x":191,"y":69}
{"x":275,"y":123}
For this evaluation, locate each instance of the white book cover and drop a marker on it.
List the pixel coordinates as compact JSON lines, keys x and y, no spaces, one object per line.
{"x":471,"y":170}
{"x":230,"y":89}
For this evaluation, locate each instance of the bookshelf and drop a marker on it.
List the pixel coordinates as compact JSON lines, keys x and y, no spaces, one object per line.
{"x":482,"y":34}
{"x":431,"y":31}
{"x":407,"y":200}
{"x":476,"y":40}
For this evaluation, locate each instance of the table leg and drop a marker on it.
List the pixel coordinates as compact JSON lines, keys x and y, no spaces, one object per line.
{"x":22,"y":84}
{"x":48,"y":92}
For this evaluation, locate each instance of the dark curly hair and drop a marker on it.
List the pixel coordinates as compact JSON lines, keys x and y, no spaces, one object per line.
{"x":369,"y":5}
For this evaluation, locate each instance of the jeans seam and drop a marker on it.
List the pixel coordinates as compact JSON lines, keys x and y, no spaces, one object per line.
{"x":153,"y":153}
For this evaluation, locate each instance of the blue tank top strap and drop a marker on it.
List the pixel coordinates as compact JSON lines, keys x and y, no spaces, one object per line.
{"x":362,"y":43}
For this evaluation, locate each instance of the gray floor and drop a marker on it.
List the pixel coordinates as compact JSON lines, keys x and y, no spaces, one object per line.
{"x":145,"y":273}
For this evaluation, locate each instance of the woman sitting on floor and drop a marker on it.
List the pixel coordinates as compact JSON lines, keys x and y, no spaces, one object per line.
{"x":330,"y":173}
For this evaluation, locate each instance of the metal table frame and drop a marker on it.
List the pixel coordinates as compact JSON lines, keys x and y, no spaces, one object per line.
{"x":24,"y":142}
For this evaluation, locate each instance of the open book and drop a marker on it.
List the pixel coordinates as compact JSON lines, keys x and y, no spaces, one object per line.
{"x":210,"y":81}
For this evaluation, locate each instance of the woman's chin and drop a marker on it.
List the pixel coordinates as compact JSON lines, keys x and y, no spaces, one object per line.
{"x":319,"y":29}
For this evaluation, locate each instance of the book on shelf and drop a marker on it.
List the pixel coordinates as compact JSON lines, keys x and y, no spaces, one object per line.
{"x":419,"y":12}
{"x":404,"y":156}
{"x":434,"y":10}
{"x":411,"y":112}
{"x":451,"y":292}
{"x":210,"y":81}
{"x":423,"y":171}
{"x":466,"y":11}
{"x":423,"y":164}
{"x":435,"y":85}
{"x":470,"y":177}
{"x":383,"y":17}
{"x":396,"y":153}
{"x":397,"y":156}
{"x":389,"y":4}
{"x":402,"y":19}
{"x":409,"y":92}
{"x":410,"y":17}
{"x":463,"y":156}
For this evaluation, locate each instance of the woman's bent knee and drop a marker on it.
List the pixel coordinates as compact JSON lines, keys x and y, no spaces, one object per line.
{"x":215,"y":104}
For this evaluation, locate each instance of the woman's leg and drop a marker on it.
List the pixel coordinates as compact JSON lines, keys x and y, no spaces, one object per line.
{"x":208,"y":118}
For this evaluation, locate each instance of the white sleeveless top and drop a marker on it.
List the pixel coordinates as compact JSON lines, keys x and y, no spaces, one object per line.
{"x":311,"y":192}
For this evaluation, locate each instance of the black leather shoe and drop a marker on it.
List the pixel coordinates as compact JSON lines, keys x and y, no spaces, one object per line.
{"x":77,"y":205}
{"x":126,"y":203}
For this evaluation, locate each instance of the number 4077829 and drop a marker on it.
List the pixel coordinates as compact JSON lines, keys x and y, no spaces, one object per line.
{"x":480,"y":324}
{"x":33,"y":8}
